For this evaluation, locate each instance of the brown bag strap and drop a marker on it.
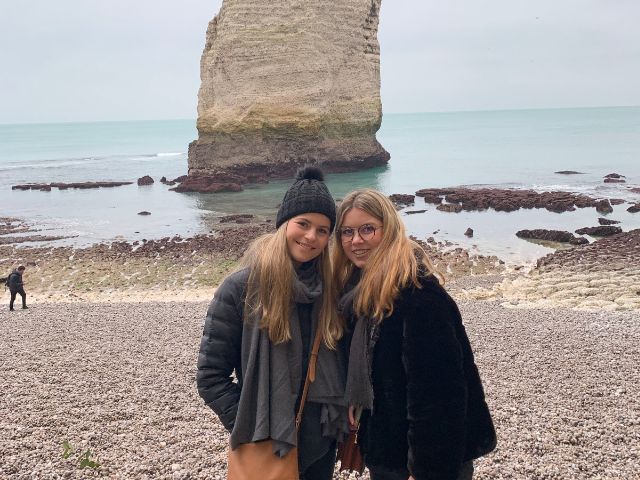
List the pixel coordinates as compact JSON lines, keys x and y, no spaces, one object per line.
{"x":311,"y":373}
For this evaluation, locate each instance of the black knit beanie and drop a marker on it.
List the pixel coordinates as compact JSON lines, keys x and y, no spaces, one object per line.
{"x":308,"y":194}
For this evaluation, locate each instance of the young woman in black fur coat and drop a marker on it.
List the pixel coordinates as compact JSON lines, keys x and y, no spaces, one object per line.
{"x":411,"y":369}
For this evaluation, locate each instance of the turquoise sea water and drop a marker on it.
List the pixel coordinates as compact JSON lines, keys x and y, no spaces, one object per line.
{"x":506,"y":149}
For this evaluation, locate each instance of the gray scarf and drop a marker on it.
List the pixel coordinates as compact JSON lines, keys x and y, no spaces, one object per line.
{"x":272,"y":378}
{"x":359,"y":390}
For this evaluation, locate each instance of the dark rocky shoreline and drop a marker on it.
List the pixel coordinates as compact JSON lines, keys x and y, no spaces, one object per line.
{"x":501,"y":200}
{"x":619,"y":251}
{"x":46,"y":187}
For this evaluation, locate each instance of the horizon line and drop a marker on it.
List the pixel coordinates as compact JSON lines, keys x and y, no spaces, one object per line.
{"x":73,"y":122}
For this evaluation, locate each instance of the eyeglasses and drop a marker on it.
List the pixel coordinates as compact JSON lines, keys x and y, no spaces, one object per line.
{"x":366,"y":232}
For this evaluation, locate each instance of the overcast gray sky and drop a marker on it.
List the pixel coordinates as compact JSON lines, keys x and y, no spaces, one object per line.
{"x":77,"y":60}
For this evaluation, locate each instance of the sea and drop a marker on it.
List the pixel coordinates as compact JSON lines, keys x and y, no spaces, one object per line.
{"x":510,"y":149}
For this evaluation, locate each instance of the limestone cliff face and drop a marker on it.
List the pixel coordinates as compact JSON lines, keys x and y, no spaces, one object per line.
{"x":286,"y":83}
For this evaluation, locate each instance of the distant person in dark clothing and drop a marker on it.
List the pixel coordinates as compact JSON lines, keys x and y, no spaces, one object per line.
{"x":16,"y":285}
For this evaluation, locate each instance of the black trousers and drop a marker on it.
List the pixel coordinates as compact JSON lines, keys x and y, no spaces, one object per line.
{"x":22,"y":293}
{"x":321,"y":469}
{"x":382,"y":473}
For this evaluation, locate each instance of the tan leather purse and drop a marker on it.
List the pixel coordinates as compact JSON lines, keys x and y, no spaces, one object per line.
{"x":256,"y":460}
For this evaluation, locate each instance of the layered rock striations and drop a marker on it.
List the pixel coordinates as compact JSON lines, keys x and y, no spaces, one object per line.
{"x":284,"y":84}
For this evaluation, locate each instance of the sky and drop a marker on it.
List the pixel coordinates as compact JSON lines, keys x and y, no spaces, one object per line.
{"x":91,"y":60}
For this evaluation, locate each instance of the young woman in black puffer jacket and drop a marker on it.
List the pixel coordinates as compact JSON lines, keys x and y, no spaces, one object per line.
{"x":261,"y":326}
{"x":411,"y":367}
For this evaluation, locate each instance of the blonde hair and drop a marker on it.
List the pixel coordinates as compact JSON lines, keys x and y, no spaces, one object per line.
{"x":394,"y":264}
{"x":270,"y":288}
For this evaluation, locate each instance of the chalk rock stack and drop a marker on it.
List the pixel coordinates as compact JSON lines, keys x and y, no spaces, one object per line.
{"x":287,"y":83}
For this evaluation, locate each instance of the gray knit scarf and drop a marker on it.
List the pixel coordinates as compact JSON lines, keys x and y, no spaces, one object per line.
{"x":359,"y":390}
{"x":272,"y":377}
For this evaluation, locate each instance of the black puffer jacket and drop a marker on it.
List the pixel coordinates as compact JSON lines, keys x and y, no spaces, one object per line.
{"x":14,"y":280}
{"x":429,"y":412}
{"x":220,"y":349}
{"x":220,"y":356}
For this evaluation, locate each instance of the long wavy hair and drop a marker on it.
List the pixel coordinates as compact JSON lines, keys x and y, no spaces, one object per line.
{"x":270,"y":288}
{"x":396,"y":263}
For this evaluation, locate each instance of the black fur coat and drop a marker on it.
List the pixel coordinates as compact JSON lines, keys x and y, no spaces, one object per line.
{"x":429,"y":412}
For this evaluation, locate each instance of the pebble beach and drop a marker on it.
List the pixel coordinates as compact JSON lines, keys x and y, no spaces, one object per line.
{"x":118,"y":380}
{"x":101,"y":368}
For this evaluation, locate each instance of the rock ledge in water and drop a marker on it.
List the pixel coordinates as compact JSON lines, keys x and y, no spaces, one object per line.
{"x":402,"y":199}
{"x":146,"y":180}
{"x":601,"y":231}
{"x":634,"y":208}
{"x":606,"y":221}
{"x":46,"y":187}
{"x":552,"y":236}
{"x":501,"y":200}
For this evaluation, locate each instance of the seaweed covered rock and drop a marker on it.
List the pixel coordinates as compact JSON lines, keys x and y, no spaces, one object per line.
{"x":552,"y":236}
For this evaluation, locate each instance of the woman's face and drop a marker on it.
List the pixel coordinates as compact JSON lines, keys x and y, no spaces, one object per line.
{"x":360,"y":235}
{"x":307,"y":236}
